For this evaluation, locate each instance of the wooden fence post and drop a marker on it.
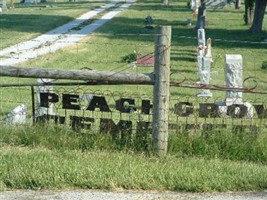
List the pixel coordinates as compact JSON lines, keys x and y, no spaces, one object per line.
{"x":161,"y":90}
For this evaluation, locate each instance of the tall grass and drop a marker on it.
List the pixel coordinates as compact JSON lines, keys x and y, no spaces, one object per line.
{"x":222,"y":144}
{"x":43,"y":157}
{"x":40,"y":168}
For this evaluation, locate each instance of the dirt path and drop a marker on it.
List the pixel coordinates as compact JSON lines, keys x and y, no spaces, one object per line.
{"x":61,"y":37}
{"x":127,"y":195}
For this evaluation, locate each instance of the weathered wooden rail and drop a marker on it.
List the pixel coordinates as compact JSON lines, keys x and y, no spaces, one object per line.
{"x":160,"y":79}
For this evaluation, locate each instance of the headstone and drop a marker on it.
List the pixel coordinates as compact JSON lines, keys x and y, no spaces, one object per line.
{"x":234,"y":77}
{"x":216,"y":4}
{"x":44,"y":89}
{"x":234,"y":104}
{"x":4,"y":6}
{"x":204,"y":75}
{"x":208,"y":49}
{"x":27,"y":2}
{"x":201,"y":42}
{"x":194,"y":5}
{"x":17,"y":115}
{"x":204,"y":60}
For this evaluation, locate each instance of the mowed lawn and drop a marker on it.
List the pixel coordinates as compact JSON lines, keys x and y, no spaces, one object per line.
{"x":44,"y":157}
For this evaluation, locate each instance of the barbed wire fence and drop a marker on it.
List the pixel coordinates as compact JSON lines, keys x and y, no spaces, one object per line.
{"x":84,"y":104}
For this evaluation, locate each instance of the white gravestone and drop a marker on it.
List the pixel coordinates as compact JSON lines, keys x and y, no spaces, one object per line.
{"x":44,"y":89}
{"x":4,"y":6}
{"x":17,"y":115}
{"x":204,"y":63}
{"x":216,"y":4}
{"x":234,"y":79}
{"x":194,"y":6}
{"x":27,"y":2}
{"x":201,"y":42}
{"x":204,"y":75}
{"x":208,"y":49}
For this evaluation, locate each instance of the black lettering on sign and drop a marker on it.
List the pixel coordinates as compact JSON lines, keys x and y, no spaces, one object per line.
{"x":208,"y":110}
{"x":123,"y":126}
{"x":47,"y":98}
{"x":183,"y":109}
{"x":108,"y":126}
{"x":237,"y":111}
{"x":125,"y":105}
{"x":46,"y":118}
{"x":81,"y":122}
{"x":146,"y":106}
{"x":261,"y":112}
{"x":70,"y":101}
{"x":98,"y":102}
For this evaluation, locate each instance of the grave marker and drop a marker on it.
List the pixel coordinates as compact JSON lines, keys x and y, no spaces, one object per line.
{"x":234,"y":104}
{"x":4,"y":6}
{"x":204,"y":75}
{"x":233,"y":78}
{"x":27,"y":2}
{"x":44,"y":89}
{"x":215,"y":4}
{"x":194,"y":6}
{"x":208,"y":49}
{"x":204,"y":61}
{"x":201,"y":42}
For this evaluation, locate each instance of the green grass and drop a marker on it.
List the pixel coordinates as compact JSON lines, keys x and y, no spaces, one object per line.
{"x":27,"y":22}
{"x":47,"y":157}
{"x":117,"y":39}
{"x":39,"y":168}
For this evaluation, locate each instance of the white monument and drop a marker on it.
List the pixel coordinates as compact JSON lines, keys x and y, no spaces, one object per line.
{"x":27,"y":2}
{"x":204,"y":61}
{"x":208,"y":48}
{"x":204,"y":75}
{"x":44,"y":89}
{"x":4,"y":6}
{"x":194,"y":6}
{"x":234,"y":80}
{"x":17,"y":115}
{"x":201,"y":42}
{"x":216,"y":4}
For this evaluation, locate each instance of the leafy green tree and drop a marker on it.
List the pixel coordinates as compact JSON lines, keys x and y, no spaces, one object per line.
{"x":260,"y":6}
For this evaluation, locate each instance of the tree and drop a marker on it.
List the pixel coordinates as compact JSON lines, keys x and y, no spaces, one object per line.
{"x":249,"y":6}
{"x":238,"y":4}
{"x":260,"y":6}
{"x":201,"y":15}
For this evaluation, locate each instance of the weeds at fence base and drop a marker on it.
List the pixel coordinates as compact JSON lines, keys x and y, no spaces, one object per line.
{"x":216,"y":143}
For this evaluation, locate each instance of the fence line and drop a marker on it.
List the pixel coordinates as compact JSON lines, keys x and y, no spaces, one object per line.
{"x":90,"y":109}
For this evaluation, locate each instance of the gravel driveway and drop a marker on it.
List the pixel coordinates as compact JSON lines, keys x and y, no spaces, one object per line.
{"x":127,"y":195}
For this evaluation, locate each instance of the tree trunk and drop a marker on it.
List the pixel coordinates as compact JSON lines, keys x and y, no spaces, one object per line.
{"x":260,"y":6}
{"x":238,"y":4}
{"x":248,"y":14}
{"x":201,"y":16}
